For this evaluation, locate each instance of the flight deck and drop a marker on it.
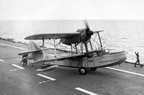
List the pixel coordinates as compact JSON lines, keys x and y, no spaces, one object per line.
{"x":124,"y":79}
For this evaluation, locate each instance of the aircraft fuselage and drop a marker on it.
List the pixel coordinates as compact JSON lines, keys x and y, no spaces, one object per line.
{"x":76,"y":39}
{"x":72,"y":40}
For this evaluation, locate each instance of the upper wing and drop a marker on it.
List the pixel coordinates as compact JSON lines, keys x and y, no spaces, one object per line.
{"x":59,"y":58}
{"x":29,"y":51}
{"x":52,"y":36}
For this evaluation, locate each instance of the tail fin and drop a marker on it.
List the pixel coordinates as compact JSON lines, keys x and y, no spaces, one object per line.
{"x":33,"y":46}
{"x":35,"y":55}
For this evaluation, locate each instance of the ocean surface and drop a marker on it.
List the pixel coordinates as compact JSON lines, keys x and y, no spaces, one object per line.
{"x":127,"y":35}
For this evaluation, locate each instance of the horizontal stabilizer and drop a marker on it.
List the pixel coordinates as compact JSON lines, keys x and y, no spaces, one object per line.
{"x":29,"y":51}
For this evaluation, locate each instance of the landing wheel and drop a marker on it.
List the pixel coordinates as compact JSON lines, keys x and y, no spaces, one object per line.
{"x":93,"y":69}
{"x":82,"y":71}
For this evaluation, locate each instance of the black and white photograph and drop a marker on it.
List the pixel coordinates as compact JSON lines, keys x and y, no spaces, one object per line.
{"x":71,"y":47}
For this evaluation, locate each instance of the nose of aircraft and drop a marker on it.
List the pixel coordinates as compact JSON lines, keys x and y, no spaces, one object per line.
{"x":89,"y":34}
{"x":88,"y":31}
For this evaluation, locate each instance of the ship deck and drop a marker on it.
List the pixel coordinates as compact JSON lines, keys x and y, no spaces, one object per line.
{"x":18,"y":80}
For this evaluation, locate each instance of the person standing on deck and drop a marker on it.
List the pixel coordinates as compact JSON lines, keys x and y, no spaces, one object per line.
{"x":137,"y":60}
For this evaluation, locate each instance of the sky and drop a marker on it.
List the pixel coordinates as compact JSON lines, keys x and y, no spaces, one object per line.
{"x":71,"y":9}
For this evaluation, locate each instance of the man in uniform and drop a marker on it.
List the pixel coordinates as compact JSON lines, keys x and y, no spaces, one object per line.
{"x":137,"y":60}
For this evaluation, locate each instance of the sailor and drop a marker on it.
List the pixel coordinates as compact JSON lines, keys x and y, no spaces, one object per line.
{"x":137,"y":60}
{"x":24,"y":59}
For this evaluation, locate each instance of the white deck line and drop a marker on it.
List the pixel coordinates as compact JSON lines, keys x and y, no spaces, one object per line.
{"x":85,"y":91}
{"x":44,"y":76}
{"x":1,"y":60}
{"x":12,"y":46}
{"x":17,"y":66}
{"x":125,"y":71}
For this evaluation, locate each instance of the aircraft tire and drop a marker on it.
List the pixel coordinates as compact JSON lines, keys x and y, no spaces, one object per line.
{"x":82,"y":70}
{"x":93,"y":69}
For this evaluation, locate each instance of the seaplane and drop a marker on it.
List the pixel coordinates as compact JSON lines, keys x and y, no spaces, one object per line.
{"x":87,"y":59}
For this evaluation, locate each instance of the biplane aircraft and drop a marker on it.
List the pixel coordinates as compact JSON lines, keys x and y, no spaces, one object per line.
{"x":85,"y":60}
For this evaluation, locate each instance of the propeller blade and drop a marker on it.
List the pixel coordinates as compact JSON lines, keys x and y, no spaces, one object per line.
{"x":88,"y":31}
{"x":87,"y":27}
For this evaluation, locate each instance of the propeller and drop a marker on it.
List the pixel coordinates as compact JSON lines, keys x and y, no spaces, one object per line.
{"x":86,"y":33}
{"x":89,"y":33}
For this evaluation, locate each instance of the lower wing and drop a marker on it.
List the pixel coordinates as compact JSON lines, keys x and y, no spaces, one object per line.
{"x":60,"y":58}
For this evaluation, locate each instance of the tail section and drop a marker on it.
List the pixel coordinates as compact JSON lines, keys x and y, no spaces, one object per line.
{"x":33,"y":46}
{"x":37,"y":53}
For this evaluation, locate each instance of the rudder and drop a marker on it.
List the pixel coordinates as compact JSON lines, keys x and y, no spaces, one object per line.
{"x":35,"y":55}
{"x":33,"y":46}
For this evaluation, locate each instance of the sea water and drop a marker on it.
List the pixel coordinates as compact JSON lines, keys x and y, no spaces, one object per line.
{"x":127,"y":35}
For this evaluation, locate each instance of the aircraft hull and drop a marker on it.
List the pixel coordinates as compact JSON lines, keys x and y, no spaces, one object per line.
{"x":107,"y":59}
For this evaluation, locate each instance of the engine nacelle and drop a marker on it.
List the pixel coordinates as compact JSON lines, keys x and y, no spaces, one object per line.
{"x":65,"y":41}
{"x":84,"y":36}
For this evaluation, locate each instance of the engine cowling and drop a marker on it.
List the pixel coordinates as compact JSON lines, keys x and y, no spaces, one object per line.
{"x":85,"y":34}
{"x":65,"y":41}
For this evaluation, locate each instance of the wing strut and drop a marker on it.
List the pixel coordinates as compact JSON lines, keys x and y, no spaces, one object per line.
{"x":71,"y":50}
{"x":90,"y":44}
{"x":76,"y":48}
{"x":81,"y":45}
{"x":54,"y":47}
{"x":43,"y":40}
{"x":86,"y":47}
{"x":99,"y":39}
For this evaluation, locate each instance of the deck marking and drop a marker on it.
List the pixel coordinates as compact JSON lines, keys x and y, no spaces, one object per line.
{"x":126,"y":71}
{"x":15,"y":69}
{"x":44,"y":81}
{"x":1,"y":60}
{"x":85,"y":91}
{"x":13,"y":46}
{"x":44,"y":76}
{"x":17,"y":66}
